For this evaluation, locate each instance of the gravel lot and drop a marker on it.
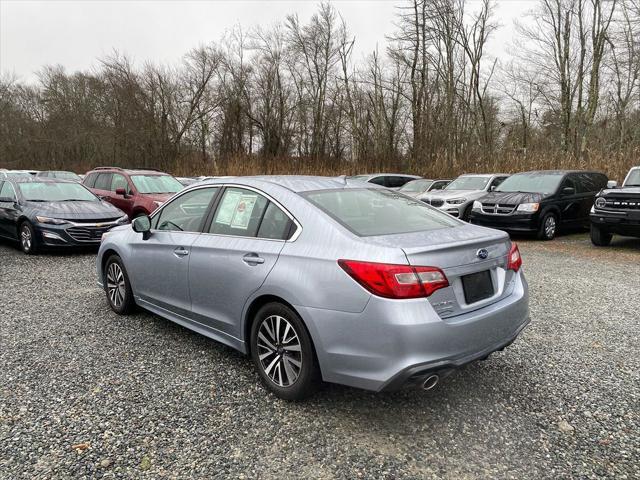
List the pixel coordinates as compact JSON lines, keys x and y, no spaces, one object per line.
{"x":85,"y":393}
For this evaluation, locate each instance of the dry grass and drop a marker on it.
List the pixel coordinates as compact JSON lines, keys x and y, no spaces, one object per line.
{"x":615,"y":166}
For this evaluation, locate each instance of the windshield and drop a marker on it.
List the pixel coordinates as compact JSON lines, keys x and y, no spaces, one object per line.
{"x":633,"y":180}
{"x":55,"y":192}
{"x":531,"y":182}
{"x":468,"y":183}
{"x":369,"y":212}
{"x":67,"y":176}
{"x":415,"y":186}
{"x":156,"y":183}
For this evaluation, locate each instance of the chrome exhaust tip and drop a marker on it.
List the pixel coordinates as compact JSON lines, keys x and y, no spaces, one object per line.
{"x":430,"y":382}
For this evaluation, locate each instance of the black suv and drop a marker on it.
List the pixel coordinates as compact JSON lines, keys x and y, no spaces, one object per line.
{"x":617,"y":210}
{"x":540,"y":202}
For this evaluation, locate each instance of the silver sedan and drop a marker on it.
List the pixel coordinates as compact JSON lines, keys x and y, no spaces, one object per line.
{"x":321,"y":279}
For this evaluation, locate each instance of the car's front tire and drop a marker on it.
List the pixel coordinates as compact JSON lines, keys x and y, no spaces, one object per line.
{"x":117,"y":286}
{"x":548,"y":227}
{"x":28,"y":239}
{"x":599,"y":237}
{"x":283,"y":353}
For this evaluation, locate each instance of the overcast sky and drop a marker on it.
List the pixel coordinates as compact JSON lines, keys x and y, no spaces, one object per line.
{"x":74,"y":33}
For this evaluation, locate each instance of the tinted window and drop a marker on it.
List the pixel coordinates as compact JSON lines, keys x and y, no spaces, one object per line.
{"x":103,"y":182}
{"x":56,"y":192}
{"x":379,"y":212}
{"x":589,"y":182}
{"x":275,"y":224}
{"x":468,"y":183}
{"x":497,"y":181}
{"x":118,"y":181}
{"x":379,"y":181}
{"x":568,"y":183}
{"x":439,"y":185}
{"x":156,"y":183}
{"x":535,"y":182}
{"x":239,"y":213}
{"x":186,"y":213}
{"x":395,"y":182}
{"x":6,"y":191}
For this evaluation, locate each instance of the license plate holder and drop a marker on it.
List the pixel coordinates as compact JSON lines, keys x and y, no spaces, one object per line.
{"x":477,"y":286}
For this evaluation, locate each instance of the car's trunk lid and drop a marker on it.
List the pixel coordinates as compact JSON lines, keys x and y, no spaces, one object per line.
{"x":460,"y":252}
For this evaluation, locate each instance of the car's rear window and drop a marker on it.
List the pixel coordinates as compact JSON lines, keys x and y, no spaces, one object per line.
{"x":376,"y":211}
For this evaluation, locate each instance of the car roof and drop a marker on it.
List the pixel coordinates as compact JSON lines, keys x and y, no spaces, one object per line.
{"x":484,"y":175}
{"x":31,"y":179}
{"x":386,"y":174}
{"x":295,"y":183}
{"x":128,"y":171}
{"x":555,"y":172}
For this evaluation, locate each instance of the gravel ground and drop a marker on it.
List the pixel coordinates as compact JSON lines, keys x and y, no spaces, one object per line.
{"x":85,"y":393}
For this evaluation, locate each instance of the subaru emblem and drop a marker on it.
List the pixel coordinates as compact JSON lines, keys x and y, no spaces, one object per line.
{"x":482,"y":254}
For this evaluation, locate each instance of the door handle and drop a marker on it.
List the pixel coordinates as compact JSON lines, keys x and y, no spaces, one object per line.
{"x":252,"y":259}
{"x":180,"y":252}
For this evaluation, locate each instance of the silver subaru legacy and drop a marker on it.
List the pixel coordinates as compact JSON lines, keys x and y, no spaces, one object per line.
{"x":321,"y":279}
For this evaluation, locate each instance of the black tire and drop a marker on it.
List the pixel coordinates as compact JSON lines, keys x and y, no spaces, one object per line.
{"x":279,"y":361}
{"x":27,"y":238}
{"x":466,"y":215}
{"x":121,"y":299}
{"x":599,"y":237}
{"x":548,"y":226}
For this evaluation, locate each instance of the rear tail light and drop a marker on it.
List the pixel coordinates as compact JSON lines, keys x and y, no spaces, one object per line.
{"x":515,"y":260}
{"x":395,"y":281}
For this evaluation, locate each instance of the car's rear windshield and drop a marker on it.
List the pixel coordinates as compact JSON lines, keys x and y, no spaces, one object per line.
{"x":531,"y":182}
{"x":55,"y":192}
{"x":416,"y":186}
{"x":376,"y":211}
{"x":634,"y":179}
{"x":468,"y":183}
{"x":156,"y":183}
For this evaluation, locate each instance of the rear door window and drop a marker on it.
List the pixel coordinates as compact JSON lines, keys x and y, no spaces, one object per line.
{"x":276,"y":224}
{"x":239,"y":213}
{"x":382,"y":181}
{"x":103,"y":182}
{"x":7,"y":191}
{"x":89,"y":180}
{"x":397,"y":181}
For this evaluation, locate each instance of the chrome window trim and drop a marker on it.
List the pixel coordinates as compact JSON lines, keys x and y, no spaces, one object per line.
{"x":293,"y":237}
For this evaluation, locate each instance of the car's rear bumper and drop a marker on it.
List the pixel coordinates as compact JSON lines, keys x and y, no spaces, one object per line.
{"x":386,"y":345}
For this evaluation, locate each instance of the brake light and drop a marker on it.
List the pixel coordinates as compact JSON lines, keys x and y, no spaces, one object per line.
{"x":395,"y":281}
{"x":515,"y":259}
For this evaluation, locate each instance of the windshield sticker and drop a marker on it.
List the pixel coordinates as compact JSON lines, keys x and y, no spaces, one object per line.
{"x":243,"y":211}
{"x":228,"y":207}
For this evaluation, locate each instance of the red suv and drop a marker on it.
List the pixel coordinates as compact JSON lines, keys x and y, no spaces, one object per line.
{"x":136,"y":192}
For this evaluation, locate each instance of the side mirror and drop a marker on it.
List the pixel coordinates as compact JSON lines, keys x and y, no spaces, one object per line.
{"x":142,"y":225}
{"x":121,"y":191}
{"x":612,"y":184}
{"x":568,"y":191}
{"x":492,"y":188}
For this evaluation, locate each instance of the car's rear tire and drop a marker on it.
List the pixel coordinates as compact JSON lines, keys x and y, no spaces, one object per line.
{"x":548,"y":227}
{"x":283,"y":353}
{"x":117,"y":286}
{"x":599,"y":237}
{"x":27,"y":237}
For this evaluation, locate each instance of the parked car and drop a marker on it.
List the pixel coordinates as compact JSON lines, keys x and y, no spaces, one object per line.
{"x":317,"y":278}
{"x":134,"y":191}
{"x":39,"y":212}
{"x":60,"y":174}
{"x":457,"y":198}
{"x":389,"y":180}
{"x":540,"y":202}
{"x":617,"y":210}
{"x":417,"y":188}
{"x":14,"y":173}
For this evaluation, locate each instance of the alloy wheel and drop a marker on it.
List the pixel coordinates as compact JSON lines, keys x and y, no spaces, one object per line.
{"x":25,"y":238}
{"x":116,"y":288}
{"x":279,"y":350}
{"x":550,"y":227}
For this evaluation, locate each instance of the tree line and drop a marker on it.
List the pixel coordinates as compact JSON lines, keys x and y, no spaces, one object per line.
{"x":292,"y":98}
